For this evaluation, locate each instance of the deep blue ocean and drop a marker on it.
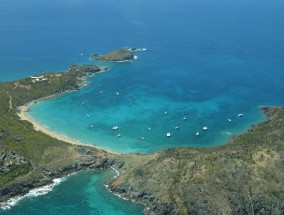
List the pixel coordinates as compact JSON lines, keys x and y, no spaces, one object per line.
{"x":206,"y":60}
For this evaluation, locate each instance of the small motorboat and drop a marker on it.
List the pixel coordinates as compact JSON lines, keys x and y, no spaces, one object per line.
{"x":177,"y":128}
{"x":115,"y":128}
{"x":119,"y":135}
{"x":142,"y":138}
{"x":229,"y":120}
{"x":240,"y":115}
{"x":197,"y":133}
{"x":205,"y":128}
{"x":168,"y":134}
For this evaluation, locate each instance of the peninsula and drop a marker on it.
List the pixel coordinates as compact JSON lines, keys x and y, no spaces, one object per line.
{"x":244,"y":176}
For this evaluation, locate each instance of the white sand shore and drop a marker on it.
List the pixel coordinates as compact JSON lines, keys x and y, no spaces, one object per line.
{"x":23,"y":114}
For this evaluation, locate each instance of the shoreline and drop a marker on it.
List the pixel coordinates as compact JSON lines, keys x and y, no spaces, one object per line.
{"x":23,"y":115}
{"x":117,"y":174}
{"x":35,"y":192}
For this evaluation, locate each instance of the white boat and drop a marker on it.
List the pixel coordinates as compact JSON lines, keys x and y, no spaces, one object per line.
{"x":92,"y":126}
{"x":166,"y":112}
{"x":184,"y":118}
{"x":197,"y":133}
{"x":177,"y":127}
{"x":240,"y":115}
{"x":82,"y":54}
{"x":117,"y":93}
{"x":115,"y":127}
{"x":149,"y":129}
{"x":119,"y":135}
{"x":205,"y":128}
{"x":88,"y":115}
{"x":101,"y":92}
{"x":142,"y":138}
{"x":168,"y":134}
{"x":229,"y":120}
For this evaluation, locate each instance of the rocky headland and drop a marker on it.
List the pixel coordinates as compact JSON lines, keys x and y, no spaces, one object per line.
{"x":246,"y":176}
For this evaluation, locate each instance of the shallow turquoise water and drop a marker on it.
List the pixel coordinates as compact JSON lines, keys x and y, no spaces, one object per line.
{"x":83,"y":193}
{"x":207,"y":60}
{"x":134,"y":111}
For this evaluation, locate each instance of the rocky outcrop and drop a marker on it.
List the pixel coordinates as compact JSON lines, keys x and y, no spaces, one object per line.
{"x":43,"y":175}
{"x":88,"y":69}
{"x":9,"y":159}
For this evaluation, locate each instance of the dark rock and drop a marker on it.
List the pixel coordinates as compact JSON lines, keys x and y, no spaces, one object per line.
{"x":80,"y":150}
{"x":139,"y":172}
{"x":87,"y":161}
{"x":121,"y":164}
{"x":3,"y":156}
{"x":90,"y":152}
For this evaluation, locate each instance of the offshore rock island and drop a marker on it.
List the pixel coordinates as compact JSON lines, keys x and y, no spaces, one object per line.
{"x":119,"y":55}
{"x":243,"y":177}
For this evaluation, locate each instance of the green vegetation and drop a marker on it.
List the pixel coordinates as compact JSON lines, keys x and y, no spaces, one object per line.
{"x":15,"y":172}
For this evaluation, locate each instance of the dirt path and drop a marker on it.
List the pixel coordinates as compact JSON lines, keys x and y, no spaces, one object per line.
{"x":10,"y":101}
{"x":10,"y":97}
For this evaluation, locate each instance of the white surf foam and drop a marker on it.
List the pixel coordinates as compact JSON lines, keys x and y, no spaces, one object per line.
{"x":116,"y":171}
{"x":141,"y":49}
{"x":135,"y":49}
{"x":32,"y":193}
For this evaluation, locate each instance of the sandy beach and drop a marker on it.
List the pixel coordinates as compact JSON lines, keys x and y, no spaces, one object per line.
{"x":23,"y":114}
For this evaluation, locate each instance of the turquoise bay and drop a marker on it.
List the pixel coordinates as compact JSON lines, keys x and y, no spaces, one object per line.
{"x":206,"y":60}
{"x":141,"y":104}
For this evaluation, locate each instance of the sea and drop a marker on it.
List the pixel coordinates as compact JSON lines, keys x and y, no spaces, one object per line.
{"x":203,"y":70}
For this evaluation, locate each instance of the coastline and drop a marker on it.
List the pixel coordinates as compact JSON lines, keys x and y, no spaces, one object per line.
{"x":23,"y":115}
{"x":38,"y":191}
{"x":22,"y":112}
